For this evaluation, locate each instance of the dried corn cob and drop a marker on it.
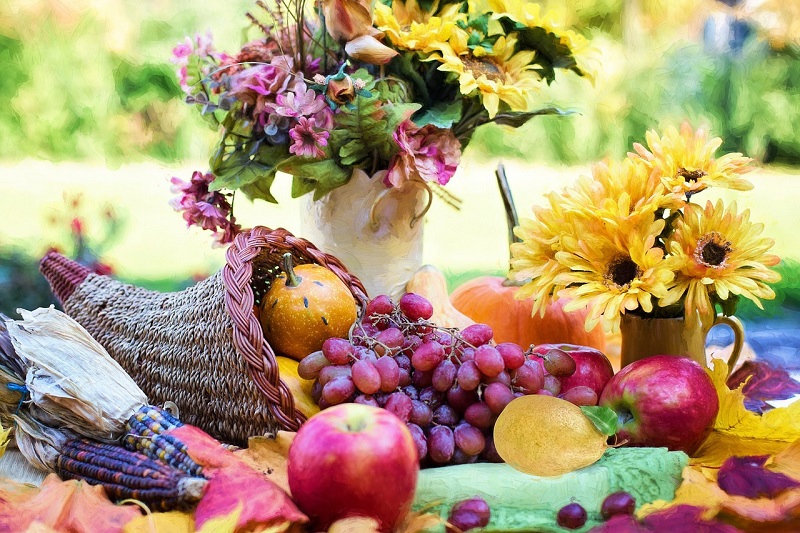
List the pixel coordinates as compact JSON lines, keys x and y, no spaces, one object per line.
{"x":145,"y":434}
{"x":125,"y":474}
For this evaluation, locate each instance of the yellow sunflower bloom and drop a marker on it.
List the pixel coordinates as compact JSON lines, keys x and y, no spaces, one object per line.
{"x":614,"y":273}
{"x":499,"y":75}
{"x":687,"y":164}
{"x":621,"y":194}
{"x":719,"y":252}
{"x":409,"y":27}
{"x":533,"y":260}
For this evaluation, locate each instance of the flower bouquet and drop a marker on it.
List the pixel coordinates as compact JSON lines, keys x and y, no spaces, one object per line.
{"x":386,"y":94}
{"x":629,"y":239}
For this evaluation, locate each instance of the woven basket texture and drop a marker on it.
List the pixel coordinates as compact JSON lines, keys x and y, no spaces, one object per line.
{"x":202,"y":348}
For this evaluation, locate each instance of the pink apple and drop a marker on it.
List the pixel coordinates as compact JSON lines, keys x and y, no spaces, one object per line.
{"x":592,"y":367}
{"x":353,"y":460}
{"x":664,"y":400}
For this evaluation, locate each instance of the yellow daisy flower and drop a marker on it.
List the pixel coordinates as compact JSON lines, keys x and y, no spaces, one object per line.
{"x":719,"y":252}
{"x":614,"y":273}
{"x":409,"y":27}
{"x":499,"y":75}
{"x":533,"y":260}
{"x":687,"y":164}
{"x":622,"y":194}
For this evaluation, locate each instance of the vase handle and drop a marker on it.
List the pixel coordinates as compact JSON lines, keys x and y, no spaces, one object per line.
{"x":738,"y":337}
{"x":373,"y":210}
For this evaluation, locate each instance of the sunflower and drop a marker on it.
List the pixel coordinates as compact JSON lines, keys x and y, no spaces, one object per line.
{"x":410,"y":28}
{"x":719,"y":253}
{"x":533,"y":260}
{"x":499,"y":74}
{"x":622,"y":194}
{"x":687,"y":164}
{"x":612,"y":273}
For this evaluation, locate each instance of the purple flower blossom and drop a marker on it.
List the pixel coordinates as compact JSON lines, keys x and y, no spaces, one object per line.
{"x":307,"y":140}
{"x":205,"y":208}
{"x":428,"y":153}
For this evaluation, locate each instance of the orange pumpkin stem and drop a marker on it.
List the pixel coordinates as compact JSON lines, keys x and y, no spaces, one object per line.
{"x":292,"y":279}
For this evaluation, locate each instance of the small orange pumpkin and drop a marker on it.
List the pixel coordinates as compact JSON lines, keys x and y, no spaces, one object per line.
{"x":490,"y":300}
{"x":304,"y":306}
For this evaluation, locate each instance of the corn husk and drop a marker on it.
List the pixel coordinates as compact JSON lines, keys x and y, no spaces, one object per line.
{"x":12,"y":375}
{"x":38,"y":443}
{"x":71,"y":378}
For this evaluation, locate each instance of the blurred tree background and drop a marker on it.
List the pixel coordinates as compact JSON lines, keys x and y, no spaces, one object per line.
{"x":734,"y":65}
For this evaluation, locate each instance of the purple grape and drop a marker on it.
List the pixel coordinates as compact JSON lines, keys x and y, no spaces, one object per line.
{"x":445,"y":416}
{"x":366,"y":354}
{"x":415,"y":307}
{"x":338,"y":351}
{"x":389,"y":373}
{"x":580,"y":395}
{"x":391,"y":339}
{"x":316,"y":391}
{"x":544,"y":392}
{"x":552,"y":384}
{"x":558,"y":363}
{"x":427,"y":356}
{"x":404,"y":378}
{"x":513,"y":356}
{"x":381,"y":398}
{"x":421,"y":414}
{"x":431,"y":397}
{"x":366,"y":399}
{"x":460,"y":399}
{"x":477,"y":334}
{"x":443,"y":375}
{"x":365,"y":331}
{"x":403,"y":361}
{"x":420,"y":441}
{"x":497,"y":396}
{"x":480,"y":415}
{"x":489,"y":361}
{"x":422,"y":379}
{"x":617,"y":503}
{"x":380,"y":305}
{"x":334,"y":371}
{"x":469,"y":514}
{"x":400,"y":405}
{"x":410,"y":391}
{"x":571,"y":516}
{"x":338,"y":390}
{"x":467,"y":354}
{"x":468,"y":376}
{"x":461,"y":458}
{"x":529,"y":378}
{"x":490,"y":451}
{"x":410,"y":345}
{"x":469,"y":439}
{"x":312,"y":364}
{"x":366,"y":377}
{"x":503,"y":377}
{"x":441,"y":444}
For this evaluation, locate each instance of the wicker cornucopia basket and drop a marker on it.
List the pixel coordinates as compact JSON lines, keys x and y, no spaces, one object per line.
{"x":201,"y":348}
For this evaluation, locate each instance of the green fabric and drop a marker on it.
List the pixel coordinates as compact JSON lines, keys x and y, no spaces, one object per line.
{"x":520,"y":502}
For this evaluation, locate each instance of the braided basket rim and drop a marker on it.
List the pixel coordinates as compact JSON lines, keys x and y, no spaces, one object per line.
{"x":248,"y":337}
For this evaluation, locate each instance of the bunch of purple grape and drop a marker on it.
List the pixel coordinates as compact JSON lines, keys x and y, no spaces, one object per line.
{"x":448,"y":386}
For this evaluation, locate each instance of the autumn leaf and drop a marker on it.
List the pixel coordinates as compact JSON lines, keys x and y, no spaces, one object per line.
{"x":763,"y":382}
{"x":740,"y":432}
{"x":678,"y":518}
{"x":747,"y":476}
{"x":73,"y":506}
{"x":788,"y":461}
{"x":269,"y":455}
{"x":4,"y":438}
{"x":171,"y":522}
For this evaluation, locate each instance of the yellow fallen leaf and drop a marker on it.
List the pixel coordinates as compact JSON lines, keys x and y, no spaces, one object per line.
{"x":4,"y":439}
{"x":788,"y":461}
{"x":738,"y":431}
{"x":222,"y":524}
{"x":269,"y":456}
{"x":172,"y":522}
{"x":697,"y":489}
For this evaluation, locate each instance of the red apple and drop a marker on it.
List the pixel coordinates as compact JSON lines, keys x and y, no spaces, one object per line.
{"x":592,"y":367}
{"x":664,"y":400}
{"x":353,"y":460}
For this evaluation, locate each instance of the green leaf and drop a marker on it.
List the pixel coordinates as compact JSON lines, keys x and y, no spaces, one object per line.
{"x":325,"y":174}
{"x":241,"y":165}
{"x":302,"y":185}
{"x":402,"y":66}
{"x":603,"y":418}
{"x":441,"y":115}
{"x":551,"y":52}
{"x":515,"y":120}
{"x":260,"y":190}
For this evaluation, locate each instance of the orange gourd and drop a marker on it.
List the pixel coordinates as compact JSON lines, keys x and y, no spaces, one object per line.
{"x":431,"y":284}
{"x":305,"y":306}
{"x":490,"y":300}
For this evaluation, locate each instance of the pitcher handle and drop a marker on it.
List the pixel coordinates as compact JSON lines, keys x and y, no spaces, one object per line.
{"x":738,"y":337}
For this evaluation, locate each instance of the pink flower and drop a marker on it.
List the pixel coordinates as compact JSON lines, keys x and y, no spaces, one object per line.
{"x":258,"y":86}
{"x":307,"y":140}
{"x":201,"y":207}
{"x":303,"y":102}
{"x":428,"y":153}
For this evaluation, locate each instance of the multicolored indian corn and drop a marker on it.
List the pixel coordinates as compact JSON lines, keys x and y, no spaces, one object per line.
{"x":145,"y":434}
{"x":126,"y":474}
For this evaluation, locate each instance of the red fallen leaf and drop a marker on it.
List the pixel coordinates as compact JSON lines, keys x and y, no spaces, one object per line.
{"x":678,"y":518}
{"x":64,"y":506}
{"x":232,"y":483}
{"x":746,"y":476}
{"x":767,"y":382}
